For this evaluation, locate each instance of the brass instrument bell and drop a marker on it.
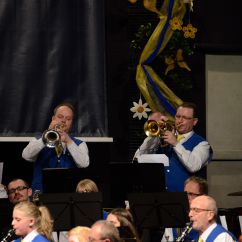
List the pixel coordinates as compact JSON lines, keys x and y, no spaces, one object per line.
{"x":51,"y":137}
{"x":154,"y":128}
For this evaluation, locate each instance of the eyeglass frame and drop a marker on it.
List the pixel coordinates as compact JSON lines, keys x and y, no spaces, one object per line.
{"x":183,"y":117}
{"x":199,"y":210}
{"x":193,"y":194}
{"x":19,"y":188}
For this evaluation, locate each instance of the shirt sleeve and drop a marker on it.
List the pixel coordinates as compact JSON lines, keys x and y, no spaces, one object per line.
{"x":32,"y":150}
{"x":79,"y":153}
{"x":224,"y":237}
{"x":193,"y":160}
{"x":149,"y":146}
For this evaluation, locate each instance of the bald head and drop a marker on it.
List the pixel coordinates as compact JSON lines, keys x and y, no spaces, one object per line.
{"x":203,"y":212}
{"x":104,"y":230}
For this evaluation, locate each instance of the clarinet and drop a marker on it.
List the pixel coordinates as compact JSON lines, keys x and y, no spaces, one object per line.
{"x":185,"y":232}
{"x":9,"y":235}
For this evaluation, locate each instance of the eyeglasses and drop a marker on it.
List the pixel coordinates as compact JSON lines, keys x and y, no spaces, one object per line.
{"x":199,"y":210}
{"x":191,"y":194}
{"x":19,"y":188}
{"x":183,"y":117}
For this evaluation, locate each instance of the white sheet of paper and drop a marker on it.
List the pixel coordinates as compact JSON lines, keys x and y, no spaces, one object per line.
{"x":1,"y":171}
{"x":223,"y":221}
{"x":154,"y":158}
{"x":240,"y":223}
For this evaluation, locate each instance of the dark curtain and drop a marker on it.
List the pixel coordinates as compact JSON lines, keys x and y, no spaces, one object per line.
{"x":219,"y":25}
{"x":52,"y":51}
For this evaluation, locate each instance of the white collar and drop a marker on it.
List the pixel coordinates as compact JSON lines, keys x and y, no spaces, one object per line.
{"x":187,"y":136}
{"x":206,"y":233}
{"x":29,"y":237}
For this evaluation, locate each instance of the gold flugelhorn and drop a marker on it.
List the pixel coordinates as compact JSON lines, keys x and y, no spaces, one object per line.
{"x":154,"y":128}
{"x":51,"y":137}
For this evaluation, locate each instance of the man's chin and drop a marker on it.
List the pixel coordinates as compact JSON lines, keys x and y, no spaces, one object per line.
{"x":194,"y":225}
{"x":17,"y":200}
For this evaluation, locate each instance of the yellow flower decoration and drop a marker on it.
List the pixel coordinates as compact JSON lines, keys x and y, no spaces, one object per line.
{"x":178,"y":60}
{"x":189,"y":31}
{"x":176,"y":23}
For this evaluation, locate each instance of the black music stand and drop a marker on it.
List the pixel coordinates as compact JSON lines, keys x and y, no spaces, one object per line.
{"x":6,"y":210}
{"x":159,"y":210}
{"x":67,"y":184}
{"x":128,"y":178}
{"x":71,"y":209}
{"x":114,"y":180}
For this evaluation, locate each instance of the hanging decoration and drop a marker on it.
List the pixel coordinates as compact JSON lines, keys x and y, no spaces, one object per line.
{"x":169,"y":44}
{"x":140,"y":109}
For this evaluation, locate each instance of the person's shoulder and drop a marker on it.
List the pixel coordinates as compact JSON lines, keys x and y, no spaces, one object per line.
{"x":40,"y":238}
{"x":76,"y":140}
{"x":197,"y":136}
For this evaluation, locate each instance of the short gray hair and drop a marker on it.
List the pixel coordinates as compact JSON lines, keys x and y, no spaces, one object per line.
{"x":107,"y":230}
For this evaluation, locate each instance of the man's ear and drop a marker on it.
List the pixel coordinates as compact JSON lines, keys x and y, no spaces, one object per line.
{"x":30,"y":192}
{"x":195,"y":120}
{"x":211,"y":216}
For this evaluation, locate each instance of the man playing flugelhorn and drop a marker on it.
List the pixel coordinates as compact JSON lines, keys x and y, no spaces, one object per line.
{"x":187,"y":151}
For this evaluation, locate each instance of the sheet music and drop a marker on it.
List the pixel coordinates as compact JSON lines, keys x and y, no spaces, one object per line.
{"x":223,"y":221}
{"x":1,"y":171}
{"x":154,"y":158}
{"x":240,"y":223}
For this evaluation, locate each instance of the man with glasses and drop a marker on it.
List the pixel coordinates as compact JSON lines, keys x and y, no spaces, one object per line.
{"x":187,"y":155}
{"x":194,"y":186}
{"x":203,"y":214}
{"x":18,"y":191}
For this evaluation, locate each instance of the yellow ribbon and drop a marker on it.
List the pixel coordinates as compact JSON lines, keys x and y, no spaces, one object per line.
{"x":178,"y":10}
{"x":151,"y":6}
{"x":179,"y":60}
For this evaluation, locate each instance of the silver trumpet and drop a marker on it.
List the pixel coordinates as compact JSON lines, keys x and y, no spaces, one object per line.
{"x":185,"y":232}
{"x":51,"y":137}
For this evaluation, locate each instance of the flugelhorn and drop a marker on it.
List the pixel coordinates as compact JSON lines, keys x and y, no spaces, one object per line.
{"x":154,"y":128}
{"x":51,"y":137}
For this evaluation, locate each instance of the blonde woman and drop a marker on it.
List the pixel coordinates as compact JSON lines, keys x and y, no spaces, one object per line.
{"x":32,"y":223}
{"x":86,"y":185}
